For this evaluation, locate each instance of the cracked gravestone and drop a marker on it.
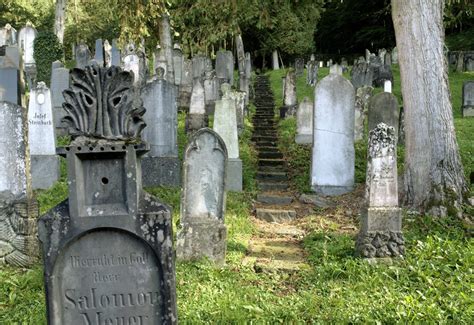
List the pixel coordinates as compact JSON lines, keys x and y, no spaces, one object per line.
{"x":107,"y":249}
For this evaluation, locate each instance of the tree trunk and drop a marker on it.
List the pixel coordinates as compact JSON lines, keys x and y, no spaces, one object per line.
{"x":434,"y":177}
{"x":60,"y":19}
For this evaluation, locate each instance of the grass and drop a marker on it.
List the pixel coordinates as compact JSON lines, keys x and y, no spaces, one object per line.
{"x":431,"y":284}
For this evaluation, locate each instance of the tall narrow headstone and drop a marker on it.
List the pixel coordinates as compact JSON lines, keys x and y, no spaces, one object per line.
{"x":333,"y":156}
{"x":380,"y":232}
{"x":311,"y":73}
{"x":225,"y":66}
{"x":186,"y":87}
{"x":159,"y":60}
{"x":203,"y":233}
{"x":10,"y":81}
{"x":18,"y":208}
{"x":239,"y":45}
{"x":299,"y":67}
{"x":178,"y":62}
{"x":161,"y":165}
{"x":289,"y":95}
{"x":275,"y":63}
{"x":116,"y":56}
{"x":59,"y":83}
{"x":41,"y":139}
{"x":83,"y":55}
{"x":167,"y":44}
{"x":108,"y":248}
{"x":239,"y":98}
{"x":199,"y":66}
{"x":8,"y":35}
{"x":383,"y":108}
{"x":304,"y":122}
{"x":26,"y":39}
{"x":211,"y":92}
{"x":387,"y":86}
{"x":225,"y":124}
{"x":99,"y":52}
{"x":363,"y":95}
{"x":468,"y":98}
{"x":196,"y":118}
{"x":394,"y":56}
{"x":107,"y":53}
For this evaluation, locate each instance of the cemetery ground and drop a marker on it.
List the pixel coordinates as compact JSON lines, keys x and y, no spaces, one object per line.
{"x":432,"y":283}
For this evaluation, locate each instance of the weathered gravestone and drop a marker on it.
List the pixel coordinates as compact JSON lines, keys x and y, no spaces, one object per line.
{"x":311,"y":72}
{"x":333,"y":156}
{"x":362,"y":75}
{"x":363,"y":95}
{"x":26,"y":38}
{"x":107,"y":249}
{"x":59,"y":83}
{"x":336,"y":69}
{"x":299,"y":67}
{"x":388,"y":59}
{"x":10,"y":81}
{"x":380,"y":230}
{"x":275,"y":62}
{"x":387,"y":86}
{"x":239,"y":46}
{"x":161,"y":165}
{"x":199,"y":66}
{"x":289,"y":95}
{"x":116,"y":55}
{"x":239,"y":98}
{"x":41,"y":138}
{"x":395,"y":56}
{"x":244,"y":86}
{"x":107,"y":53}
{"x":178,"y":61}
{"x":18,"y":208}
{"x":225,"y":124}
{"x":196,"y":117}
{"x":99,"y":52}
{"x":8,"y":35}
{"x":304,"y":122}
{"x":248,"y":76}
{"x":381,"y":74}
{"x":383,"y":107}
{"x":83,"y":55}
{"x":468,"y":98}
{"x":225,"y":67}
{"x":132,"y":62}
{"x":159,"y":60}
{"x":211,"y":91}
{"x":203,"y":233}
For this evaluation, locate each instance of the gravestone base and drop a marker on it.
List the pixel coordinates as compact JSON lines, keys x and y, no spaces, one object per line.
{"x":380,"y":234}
{"x":331,"y":190}
{"x":161,"y":171}
{"x":468,"y":111}
{"x":44,"y":171}
{"x":19,"y":244}
{"x":304,"y":139}
{"x":195,"y":122}
{"x":234,"y":175}
{"x":206,"y":239}
{"x":287,"y":111}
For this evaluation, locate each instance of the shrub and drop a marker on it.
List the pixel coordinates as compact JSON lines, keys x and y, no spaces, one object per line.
{"x":47,"y":49}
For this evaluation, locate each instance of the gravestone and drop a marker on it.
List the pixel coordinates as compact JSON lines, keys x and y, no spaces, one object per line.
{"x":388,"y":59}
{"x":304,"y":122}
{"x":131,"y":63}
{"x":468,"y":98}
{"x":196,"y":117}
{"x":8,"y":35}
{"x":108,"y":248}
{"x":299,"y":67}
{"x":289,"y":95}
{"x":203,"y":233}
{"x":199,"y":67}
{"x":336,"y":68}
{"x":99,"y":52}
{"x":59,"y":83}
{"x":26,"y":39}
{"x":107,"y":54}
{"x":239,"y":98}
{"x":311,"y":73}
{"x":395,"y":56}
{"x":381,"y":74}
{"x":83,"y":55}
{"x":41,"y":139}
{"x":178,"y":62}
{"x":382,"y":53}
{"x":387,"y":86}
{"x":275,"y":63}
{"x":380,"y":232}
{"x":362,"y":75}
{"x":116,"y":56}
{"x":159,"y":60}
{"x":10,"y":81}
{"x":383,"y":108}
{"x":333,"y":155}
{"x":186,"y":87}
{"x":363,"y":95}
{"x":244,"y":86}
{"x":161,"y":165}
{"x":239,"y":46}
{"x":211,"y":92}
{"x":18,"y":208}
{"x":225,"y":67}
{"x":225,"y":124}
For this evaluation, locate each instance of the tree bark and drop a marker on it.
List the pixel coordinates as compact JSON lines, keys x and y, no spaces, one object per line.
{"x":60,"y":19}
{"x":434,"y":177}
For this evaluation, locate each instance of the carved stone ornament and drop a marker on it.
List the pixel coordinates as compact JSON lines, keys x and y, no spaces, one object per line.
{"x":100,"y":104}
{"x":382,"y":141}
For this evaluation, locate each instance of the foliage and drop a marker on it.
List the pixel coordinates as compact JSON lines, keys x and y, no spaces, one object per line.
{"x":18,"y":12}
{"x":47,"y":49}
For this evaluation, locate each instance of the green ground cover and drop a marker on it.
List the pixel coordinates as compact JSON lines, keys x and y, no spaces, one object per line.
{"x":431,"y":284}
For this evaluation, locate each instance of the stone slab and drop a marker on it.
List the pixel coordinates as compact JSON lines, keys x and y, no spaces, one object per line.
{"x":45,"y":171}
{"x":304,"y":139}
{"x":278,"y":216}
{"x":274,"y":199}
{"x":234,"y":175}
{"x":381,"y":219}
{"x":161,"y":171}
{"x":468,"y":111}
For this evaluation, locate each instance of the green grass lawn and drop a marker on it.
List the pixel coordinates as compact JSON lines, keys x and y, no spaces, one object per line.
{"x":433,"y":283}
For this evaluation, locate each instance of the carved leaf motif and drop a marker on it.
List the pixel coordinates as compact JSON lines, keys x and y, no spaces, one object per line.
{"x":100,"y":104}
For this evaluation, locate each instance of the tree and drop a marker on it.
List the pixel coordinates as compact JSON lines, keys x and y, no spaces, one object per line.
{"x":434,"y":177}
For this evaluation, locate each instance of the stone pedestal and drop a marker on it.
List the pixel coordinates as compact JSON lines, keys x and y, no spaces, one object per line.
{"x":161,"y":171}
{"x":234,"y":175}
{"x":195,"y":122}
{"x":304,"y":138}
{"x":45,"y":171}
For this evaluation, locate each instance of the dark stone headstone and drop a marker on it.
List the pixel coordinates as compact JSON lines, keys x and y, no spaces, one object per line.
{"x":83,"y":55}
{"x":299,"y":67}
{"x":383,"y":108}
{"x":116,"y":56}
{"x":99,"y":52}
{"x":468,"y":98}
{"x":59,"y":83}
{"x":107,"y":249}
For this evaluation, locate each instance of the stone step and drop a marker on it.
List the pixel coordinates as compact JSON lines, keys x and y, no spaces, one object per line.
{"x":274,"y":215}
{"x":271,"y":138}
{"x":270,"y":155}
{"x":272,"y":185}
{"x":266,"y":143}
{"x":271,"y":162}
{"x":275,"y":176}
{"x":268,"y":198}
{"x":267,"y":149}
{"x":265,"y":133}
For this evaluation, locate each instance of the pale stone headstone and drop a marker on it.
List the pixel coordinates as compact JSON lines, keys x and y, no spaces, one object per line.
{"x":383,"y":108}
{"x":99,"y":52}
{"x":311,"y":73}
{"x":116,"y":56}
{"x":336,"y":69}
{"x":107,"y":54}
{"x":387,"y":86}
{"x":239,"y":44}
{"x":131,"y":62}
{"x":363,"y":95}
{"x":196,"y":117}
{"x":18,"y":209}
{"x":83,"y":55}
{"x":110,"y":243}
{"x":239,"y":98}
{"x":244,"y":86}
{"x":468,"y":98}
{"x":159,"y":60}
{"x":275,"y":62}
{"x":199,"y":66}
{"x":203,"y":233}
{"x":395,"y":56}
{"x":304,"y":122}
{"x":186,"y":87}
{"x":367,"y":55}
{"x":248,"y":66}
{"x":41,"y":138}
{"x":380,"y":232}
{"x":225,"y":66}
{"x":8,"y":35}
{"x":26,"y":38}
{"x":161,"y":165}
{"x":178,"y":61}
{"x":289,"y":95}
{"x":225,"y":124}
{"x":388,"y":58}
{"x":59,"y":83}
{"x":321,"y":64}
{"x":333,"y":156}
{"x":382,"y":53}
{"x":211,"y":91}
